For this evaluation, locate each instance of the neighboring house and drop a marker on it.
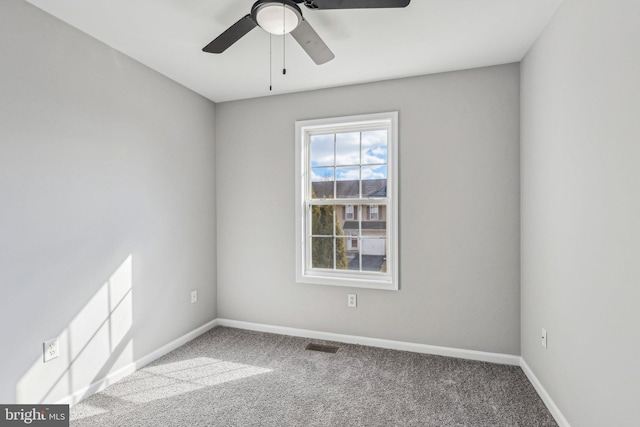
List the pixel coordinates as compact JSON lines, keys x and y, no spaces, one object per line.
{"x":365,"y":229}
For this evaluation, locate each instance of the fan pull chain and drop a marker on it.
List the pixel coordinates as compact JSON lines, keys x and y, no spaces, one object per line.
{"x":270,"y":64}
{"x":284,"y":68}
{"x":284,"y":39}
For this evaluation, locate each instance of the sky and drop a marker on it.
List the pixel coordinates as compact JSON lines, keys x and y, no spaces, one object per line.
{"x":350,"y":154}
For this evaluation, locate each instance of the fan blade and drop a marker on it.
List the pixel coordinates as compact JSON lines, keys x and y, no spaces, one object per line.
{"x":311,"y":42}
{"x":355,"y":4}
{"x":231,"y":35}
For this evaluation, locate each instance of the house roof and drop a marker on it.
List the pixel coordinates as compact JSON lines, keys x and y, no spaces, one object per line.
{"x":366,"y":225}
{"x":350,"y":189}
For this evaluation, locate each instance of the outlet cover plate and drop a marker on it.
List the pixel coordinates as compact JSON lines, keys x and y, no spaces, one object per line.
{"x":51,"y":349}
{"x":194,"y":296}
{"x":352,"y":300}
{"x":544,"y":338}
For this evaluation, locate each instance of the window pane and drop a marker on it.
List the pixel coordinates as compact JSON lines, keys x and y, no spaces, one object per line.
{"x":374,"y":254}
{"x":321,"y":174}
{"x":352,"y":242}
{"x":322,"y":150}
{"x":348,"y":184}
{"x":374,"y":172}
{"x":322,"y":185}
{"x":322,"y":252}
{"x":348,"y":174}
{"x":374,"y":147}
{"x":348,"y":148}
{"x":374,"y":181}
{"x":322,"y":221}
{"x":342,"y":263}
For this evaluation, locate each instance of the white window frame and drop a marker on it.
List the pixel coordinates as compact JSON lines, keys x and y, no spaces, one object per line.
{"x":371,"y":210}
{"x":346,"y":213}
{"x":373,"y":280}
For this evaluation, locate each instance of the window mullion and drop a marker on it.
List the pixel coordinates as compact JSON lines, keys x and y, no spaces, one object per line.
{"x":335,"y":177}
{"x":360,"y":213}
{"x":308,"y":245}
{"x":335,"y":243}
{"x":335,"y":196}
{"x":360,"y":166}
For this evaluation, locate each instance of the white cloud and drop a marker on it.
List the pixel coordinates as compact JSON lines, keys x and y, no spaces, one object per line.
{"x":379,"y":151}
{"x":347,"y":174}
{"x":322,"y":150}
{"x":321,"y":174}
{"x":374,"y":173}
{"x":347,"y":148}
{"x":374,"y":138}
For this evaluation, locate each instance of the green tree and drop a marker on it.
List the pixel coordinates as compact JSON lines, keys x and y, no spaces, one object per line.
{"x":322,"y":219}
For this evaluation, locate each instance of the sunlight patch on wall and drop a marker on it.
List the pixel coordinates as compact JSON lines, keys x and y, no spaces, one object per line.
{"x":93,"y":343}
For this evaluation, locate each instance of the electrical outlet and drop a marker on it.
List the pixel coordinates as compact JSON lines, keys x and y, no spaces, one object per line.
{"x":544,"y":338}
{"x":51,"y":349}
{"x":194,"y":296}
{"x":352,"y":300}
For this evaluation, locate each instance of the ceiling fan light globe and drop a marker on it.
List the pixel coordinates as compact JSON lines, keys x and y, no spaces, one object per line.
{"x":278,"y":19}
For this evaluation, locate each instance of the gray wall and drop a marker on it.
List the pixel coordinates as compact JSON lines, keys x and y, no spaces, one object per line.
{"x":581,"y":211}
{"x":459,"y":212}
{"x":107,"y":207}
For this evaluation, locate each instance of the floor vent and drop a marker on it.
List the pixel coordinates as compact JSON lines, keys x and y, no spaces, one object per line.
{"x":323,"y":348}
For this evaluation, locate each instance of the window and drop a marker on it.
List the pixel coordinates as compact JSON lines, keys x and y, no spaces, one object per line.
{"x":352,"y":241}
{"x":373,"y":212}
{"x":348,"y":212}
{"x":346,"y":201}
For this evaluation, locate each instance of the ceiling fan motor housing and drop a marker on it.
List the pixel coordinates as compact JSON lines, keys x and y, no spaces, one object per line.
{"x":277,"y":16}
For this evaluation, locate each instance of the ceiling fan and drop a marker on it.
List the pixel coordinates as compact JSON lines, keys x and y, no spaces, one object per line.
{"x":284,"y":16}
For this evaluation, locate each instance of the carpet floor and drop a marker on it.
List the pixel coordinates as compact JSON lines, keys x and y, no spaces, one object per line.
{"x":233,"y":377}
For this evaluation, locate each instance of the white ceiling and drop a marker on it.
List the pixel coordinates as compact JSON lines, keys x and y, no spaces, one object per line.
{"x":428,"y":36}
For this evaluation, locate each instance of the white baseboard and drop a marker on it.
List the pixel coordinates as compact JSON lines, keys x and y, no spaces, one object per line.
{"x":175,"y":344}
{"x":505,"y":359}
{"x":542,"y":392}
{"x":97,"y":386}
{"x":130,"y":368}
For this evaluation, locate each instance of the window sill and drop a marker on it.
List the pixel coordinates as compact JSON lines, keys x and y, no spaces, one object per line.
{"x":365,"y":283}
